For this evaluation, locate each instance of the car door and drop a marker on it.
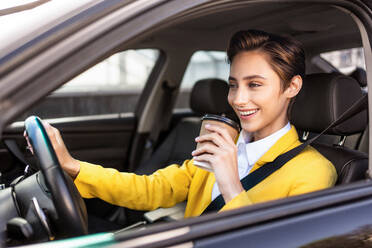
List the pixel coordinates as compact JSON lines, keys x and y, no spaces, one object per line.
{"x":338,"y":217}
{"x":95,"y":114}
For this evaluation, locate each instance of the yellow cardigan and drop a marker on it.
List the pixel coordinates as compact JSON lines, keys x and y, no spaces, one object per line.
{"x":308,"y":171}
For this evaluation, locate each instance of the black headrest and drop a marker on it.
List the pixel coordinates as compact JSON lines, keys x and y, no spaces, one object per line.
{"x":322,"y":99}
{"x":360,"y":75}
{"x":209,"y":96}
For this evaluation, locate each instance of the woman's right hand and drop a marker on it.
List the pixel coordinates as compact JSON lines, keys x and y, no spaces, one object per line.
{"x":68,"y":163}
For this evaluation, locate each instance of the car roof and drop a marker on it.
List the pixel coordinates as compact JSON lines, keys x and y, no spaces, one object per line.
{"x":205,"y":31}
{"x":318,"y":27}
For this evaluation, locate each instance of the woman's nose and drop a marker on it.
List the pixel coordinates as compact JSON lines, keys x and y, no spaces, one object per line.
{"x":241,"y":97}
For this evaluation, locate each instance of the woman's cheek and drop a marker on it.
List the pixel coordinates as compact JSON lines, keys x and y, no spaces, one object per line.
{"x":230,"y":98}
{"x":263,"y":99}
{"x":232,"y":94}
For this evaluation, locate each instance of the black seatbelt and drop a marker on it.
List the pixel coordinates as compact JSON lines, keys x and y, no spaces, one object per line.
{"x":266,"y":170}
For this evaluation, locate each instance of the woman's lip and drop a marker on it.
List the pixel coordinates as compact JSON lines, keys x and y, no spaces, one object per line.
{"x":249,"y":116}
{"x":247,"y":111}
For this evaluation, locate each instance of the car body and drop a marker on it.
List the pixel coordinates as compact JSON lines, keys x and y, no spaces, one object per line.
{"x":36,"y":61}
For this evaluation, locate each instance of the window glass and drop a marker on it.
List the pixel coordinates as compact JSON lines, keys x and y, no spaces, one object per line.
{"x":112,"y":86}
{"x":123,"y":71}
{"x":347,"y":60}
{"x":202,"y":65}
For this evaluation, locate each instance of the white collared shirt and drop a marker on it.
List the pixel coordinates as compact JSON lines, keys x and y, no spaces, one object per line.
{"x":250,"y":152}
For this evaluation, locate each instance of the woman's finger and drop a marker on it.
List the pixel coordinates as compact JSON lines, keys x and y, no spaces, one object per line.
{"x":221,"y":131}
{"x":29,"y":146}
{"x":49,"y":129}
{"x":205,"y":158}
{"x":211,"y":137}
{"x":53,"y":135}
{"x":206,"y":148}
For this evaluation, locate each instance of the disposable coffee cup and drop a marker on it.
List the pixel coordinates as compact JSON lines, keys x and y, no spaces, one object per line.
{"x":231,"y":126}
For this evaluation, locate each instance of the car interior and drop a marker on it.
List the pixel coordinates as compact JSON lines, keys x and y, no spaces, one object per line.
{"x":157,"y":132}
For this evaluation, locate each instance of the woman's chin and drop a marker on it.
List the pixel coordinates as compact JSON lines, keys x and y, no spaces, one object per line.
{"x":249,"y":127}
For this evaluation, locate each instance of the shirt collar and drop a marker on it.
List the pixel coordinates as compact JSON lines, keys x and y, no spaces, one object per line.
{"x":246,"y":137}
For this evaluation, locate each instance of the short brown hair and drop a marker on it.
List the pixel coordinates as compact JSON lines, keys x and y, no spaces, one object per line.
{"x":287,"y":56}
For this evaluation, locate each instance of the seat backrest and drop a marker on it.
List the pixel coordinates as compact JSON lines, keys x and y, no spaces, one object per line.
{"x":207,"y":96}
{"x":322,"y":99}
{"x":351,"y":165}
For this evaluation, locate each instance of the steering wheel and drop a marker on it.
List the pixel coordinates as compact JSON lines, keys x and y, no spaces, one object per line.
{"x":68,"y":203}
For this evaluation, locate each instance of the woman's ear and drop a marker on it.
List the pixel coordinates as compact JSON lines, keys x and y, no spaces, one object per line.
{"x":294,"y":87}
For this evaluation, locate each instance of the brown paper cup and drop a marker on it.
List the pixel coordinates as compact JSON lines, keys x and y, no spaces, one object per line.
{"x":231,"y":126}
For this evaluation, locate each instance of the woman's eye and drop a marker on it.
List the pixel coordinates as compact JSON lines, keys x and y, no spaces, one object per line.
{"x":254,"y":85}
{"x":232,"y":86}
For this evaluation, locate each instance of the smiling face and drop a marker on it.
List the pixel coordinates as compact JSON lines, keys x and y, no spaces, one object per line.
{"x":256,"y":95}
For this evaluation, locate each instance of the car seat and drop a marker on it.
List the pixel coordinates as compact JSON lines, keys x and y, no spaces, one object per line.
{"x":322,"y":99}
{"x":358,"y":141}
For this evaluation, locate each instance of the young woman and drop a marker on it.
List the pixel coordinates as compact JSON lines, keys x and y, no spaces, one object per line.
{"x":265,"y":76}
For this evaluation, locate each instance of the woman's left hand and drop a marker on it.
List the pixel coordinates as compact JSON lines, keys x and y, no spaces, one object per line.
{"x":220,"y":152}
